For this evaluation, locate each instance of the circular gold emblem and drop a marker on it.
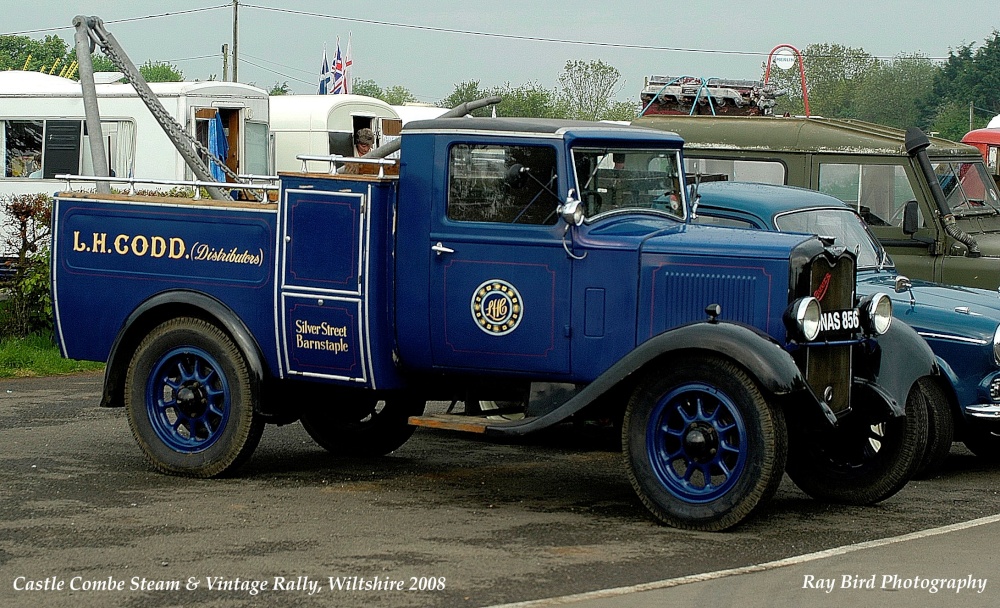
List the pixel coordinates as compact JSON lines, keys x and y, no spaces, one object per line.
{"x":496,"y":307}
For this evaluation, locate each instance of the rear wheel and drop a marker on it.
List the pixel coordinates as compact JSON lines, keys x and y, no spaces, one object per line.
{"x":364,"y":426}
{"x":702,"y":447}
{"x":190,"y":400}
{"x":941,"y":427}
{"x":865,"y":459}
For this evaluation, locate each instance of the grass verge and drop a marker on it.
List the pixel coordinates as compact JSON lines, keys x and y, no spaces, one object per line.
{"x":37,"y":356}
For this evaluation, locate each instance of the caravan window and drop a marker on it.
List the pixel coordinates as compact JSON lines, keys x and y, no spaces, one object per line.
{"x":256,"y":143}
{"x":22,"y":146}
{"x":46,"y":148}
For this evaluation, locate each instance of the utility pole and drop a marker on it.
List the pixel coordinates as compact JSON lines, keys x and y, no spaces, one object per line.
{"x":225,"y":62}
{"x":236,"y":37}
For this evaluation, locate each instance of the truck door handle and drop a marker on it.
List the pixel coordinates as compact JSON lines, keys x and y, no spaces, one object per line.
{"x":439,"y":248}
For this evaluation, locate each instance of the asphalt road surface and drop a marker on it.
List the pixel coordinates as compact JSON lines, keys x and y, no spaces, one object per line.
{"x":447,"y":520}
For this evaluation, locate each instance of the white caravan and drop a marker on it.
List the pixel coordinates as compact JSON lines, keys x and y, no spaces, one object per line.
{"x":321,"y":125}
{"x":43,"y":131}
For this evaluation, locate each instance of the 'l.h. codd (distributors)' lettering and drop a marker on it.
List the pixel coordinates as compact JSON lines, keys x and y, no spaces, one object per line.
{"x":171,"y":248}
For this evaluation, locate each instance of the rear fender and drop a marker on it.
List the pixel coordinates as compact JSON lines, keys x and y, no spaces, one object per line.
{"x":160,"y":308}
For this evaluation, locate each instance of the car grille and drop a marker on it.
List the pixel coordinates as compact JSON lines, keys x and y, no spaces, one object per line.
{"x":828,"y":368}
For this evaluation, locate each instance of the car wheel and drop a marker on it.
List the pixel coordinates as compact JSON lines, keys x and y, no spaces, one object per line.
{"x":865,"y":459}
{"x":702,"y":447}
{"x":941,"y":428}
{"x":363,"y":426}
{"x":190,"y":400}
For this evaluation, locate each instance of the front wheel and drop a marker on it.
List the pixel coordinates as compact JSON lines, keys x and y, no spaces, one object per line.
{"x":190,"y":400}
{"x":702,"y":446}
{"x":865,"y":459}
{"x":362,"y":425}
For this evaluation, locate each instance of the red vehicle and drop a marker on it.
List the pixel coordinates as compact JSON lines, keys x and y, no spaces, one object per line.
{"x":988,"y":142}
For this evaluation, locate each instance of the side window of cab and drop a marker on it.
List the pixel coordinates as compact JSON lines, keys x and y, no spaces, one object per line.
{"x":512,"y":184}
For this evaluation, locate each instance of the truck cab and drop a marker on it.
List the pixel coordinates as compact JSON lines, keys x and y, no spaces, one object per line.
{"x":550,"y":267}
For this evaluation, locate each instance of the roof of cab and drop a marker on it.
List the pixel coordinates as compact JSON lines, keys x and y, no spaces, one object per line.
{"x":541,"y":126}
{"x":796,"y":134}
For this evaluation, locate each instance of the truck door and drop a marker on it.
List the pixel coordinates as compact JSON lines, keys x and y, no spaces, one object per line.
{"x":500,"y":279}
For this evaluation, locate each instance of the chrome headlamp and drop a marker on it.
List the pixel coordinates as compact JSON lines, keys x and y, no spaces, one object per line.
{"x":876,"y":313}
{"x":996,"y":345}
{"x":803,"y":318}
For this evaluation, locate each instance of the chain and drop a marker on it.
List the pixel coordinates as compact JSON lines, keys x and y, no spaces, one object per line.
{"x":173,"y":129}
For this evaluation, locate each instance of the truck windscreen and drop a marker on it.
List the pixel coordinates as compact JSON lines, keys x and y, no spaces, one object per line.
{"x":617,"y":180}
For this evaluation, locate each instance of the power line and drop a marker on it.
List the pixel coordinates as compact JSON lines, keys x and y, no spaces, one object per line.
{"x":266,"y":69}
{"x":618,"y":45}
{"x":125,"y":20}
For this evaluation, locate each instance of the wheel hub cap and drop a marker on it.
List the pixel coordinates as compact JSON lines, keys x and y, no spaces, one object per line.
{"x":701,"y":442}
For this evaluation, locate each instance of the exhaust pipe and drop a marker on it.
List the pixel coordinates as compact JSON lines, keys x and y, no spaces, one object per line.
{"x":459,"y":110}
{"x":916,"y":144}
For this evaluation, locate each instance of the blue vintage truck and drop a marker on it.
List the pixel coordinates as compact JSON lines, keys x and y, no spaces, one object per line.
{"x":545,"y":266}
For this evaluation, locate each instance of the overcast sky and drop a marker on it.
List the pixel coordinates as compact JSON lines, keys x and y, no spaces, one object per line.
{"x":429,"y":46}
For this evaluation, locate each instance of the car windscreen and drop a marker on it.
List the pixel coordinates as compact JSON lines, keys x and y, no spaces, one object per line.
{"x":844,"y":225}
{"x":968,"y":188}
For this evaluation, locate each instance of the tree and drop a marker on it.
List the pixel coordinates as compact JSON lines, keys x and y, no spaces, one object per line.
{"x":279,"y":89}
{"x":967,"y":77}
{"x":160,"y":71}
{"x":588,"y":89}
{"x":833,"y":73}
{"x":891,"y":91}
{"x":395,"y":95}
{"x":398,"y":95}
{"x":367,"y":88}
{"x":464,"y":92}
{"x":24,"y":53}
{"x":531,"y":100}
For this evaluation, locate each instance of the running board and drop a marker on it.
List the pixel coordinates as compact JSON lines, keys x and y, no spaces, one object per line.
{"x":451,"y":422}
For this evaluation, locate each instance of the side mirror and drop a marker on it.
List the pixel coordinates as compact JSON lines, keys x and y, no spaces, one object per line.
{"x":516,"y":175}
{"x":572,"y":210}
{"x":910,"y":222}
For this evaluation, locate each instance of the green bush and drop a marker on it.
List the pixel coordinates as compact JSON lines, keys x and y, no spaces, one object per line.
{"x":27,"y":307}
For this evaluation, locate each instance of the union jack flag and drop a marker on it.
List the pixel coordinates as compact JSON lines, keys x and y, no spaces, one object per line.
{"x":340,"y":70}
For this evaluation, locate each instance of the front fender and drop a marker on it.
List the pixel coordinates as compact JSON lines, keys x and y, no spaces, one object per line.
{"x":900,"y":357}
{"x":771,"y":366}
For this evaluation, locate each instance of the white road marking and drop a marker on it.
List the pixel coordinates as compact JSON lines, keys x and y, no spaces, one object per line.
{"x":781,"y":563}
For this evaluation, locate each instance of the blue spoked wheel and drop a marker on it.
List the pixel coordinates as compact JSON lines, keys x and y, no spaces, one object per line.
{"x":187,"y":399}
{"x":190,"y":400}
{"x":702,"y":446}
{"x":696,"y":442}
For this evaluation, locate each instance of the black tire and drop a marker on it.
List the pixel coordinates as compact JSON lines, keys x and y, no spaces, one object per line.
{"x":702,"y":447}
{"x":366,"y":426}
{"x":941,"y":428}
{"x":864,"y":460}
{"x":190,"y":400}
{"x":982,"y":442}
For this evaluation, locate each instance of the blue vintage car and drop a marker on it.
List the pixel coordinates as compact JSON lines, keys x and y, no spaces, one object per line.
{"x":962,"y":325}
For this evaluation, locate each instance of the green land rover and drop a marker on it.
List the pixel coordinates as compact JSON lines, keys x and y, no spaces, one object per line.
{"x":930,"y":201}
